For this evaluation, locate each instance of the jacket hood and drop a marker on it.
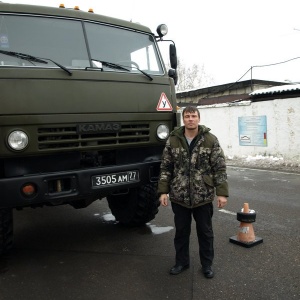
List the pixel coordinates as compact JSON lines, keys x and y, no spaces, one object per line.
{"x":180,"y":131}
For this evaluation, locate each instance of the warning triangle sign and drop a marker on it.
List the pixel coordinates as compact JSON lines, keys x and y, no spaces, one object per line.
{"x":163,"y":103}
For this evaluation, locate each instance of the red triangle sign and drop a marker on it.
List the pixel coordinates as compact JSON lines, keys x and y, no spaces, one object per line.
{"x":164,"y":104}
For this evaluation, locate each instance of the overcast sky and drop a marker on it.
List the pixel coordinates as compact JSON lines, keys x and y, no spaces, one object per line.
{"x":227,"y":37}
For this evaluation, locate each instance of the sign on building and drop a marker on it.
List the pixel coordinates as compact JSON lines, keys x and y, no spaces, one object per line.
{"x":253,"y":131}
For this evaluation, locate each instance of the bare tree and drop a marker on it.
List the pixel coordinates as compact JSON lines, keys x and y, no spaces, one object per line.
{"x":192,"y":77}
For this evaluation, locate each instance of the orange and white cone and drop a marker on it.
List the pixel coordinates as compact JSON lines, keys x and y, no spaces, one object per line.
{"x":245,"y":236}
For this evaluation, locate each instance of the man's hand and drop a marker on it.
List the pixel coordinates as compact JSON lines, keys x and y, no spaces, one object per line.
{"x":222,"y":201}
{"x":163,"y":199}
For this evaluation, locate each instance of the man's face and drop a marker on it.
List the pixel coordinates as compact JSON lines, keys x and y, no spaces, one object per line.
{"x":191,"y":120}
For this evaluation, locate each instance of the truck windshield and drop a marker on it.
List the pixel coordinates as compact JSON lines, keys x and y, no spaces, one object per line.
{"x":63,"y":41}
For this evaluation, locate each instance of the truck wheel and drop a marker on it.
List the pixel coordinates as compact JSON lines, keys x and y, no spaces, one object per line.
{"x":135,"y":208}
{"x":6,"y":230}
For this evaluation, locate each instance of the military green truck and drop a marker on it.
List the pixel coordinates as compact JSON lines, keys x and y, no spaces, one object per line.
{"x":86,"y":105}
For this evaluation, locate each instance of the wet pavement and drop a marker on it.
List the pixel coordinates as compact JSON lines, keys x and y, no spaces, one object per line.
{"x":63,"y":253}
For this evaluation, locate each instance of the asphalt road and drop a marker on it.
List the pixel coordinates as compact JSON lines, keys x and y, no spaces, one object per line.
{"x":63,"y":253}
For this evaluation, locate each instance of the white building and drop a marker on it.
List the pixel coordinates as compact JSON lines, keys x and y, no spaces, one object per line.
{"x":263,"y":123}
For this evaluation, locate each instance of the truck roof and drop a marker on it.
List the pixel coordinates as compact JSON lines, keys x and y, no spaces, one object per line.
{"x":68,"y":13}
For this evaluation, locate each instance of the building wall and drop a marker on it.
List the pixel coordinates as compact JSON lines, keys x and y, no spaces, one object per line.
{"x":283,"y":127}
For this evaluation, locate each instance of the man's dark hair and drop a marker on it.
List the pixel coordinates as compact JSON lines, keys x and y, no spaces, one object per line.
{"x":190,"y":109}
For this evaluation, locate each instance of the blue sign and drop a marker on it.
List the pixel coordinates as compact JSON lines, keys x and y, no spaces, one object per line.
{"x":253,"y":131}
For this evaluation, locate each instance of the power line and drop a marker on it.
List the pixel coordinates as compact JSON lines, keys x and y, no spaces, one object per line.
{"x":261,"y":66}
{"x":250,"y":69}
{"x":283,"y":62}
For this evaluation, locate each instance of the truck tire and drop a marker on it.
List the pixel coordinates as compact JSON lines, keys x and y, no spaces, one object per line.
{"x":6,"y":230}
{"x":135,"y":208}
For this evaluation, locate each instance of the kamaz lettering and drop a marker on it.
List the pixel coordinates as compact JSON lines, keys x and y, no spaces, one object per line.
{"x":100,"y":127}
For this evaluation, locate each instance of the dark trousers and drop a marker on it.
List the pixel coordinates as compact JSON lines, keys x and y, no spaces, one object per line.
{"x":183,"y":220}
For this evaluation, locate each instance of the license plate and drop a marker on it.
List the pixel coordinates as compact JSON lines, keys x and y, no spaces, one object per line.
{"x":115,"y":178}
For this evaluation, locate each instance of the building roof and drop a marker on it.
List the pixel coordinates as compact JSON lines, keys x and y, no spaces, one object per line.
{"x":230,"y":92}
{"x":227,"y":87}
{"x":277,"y":89}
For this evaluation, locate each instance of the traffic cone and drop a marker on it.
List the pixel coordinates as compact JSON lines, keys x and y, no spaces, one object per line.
{"x":245,"y":236}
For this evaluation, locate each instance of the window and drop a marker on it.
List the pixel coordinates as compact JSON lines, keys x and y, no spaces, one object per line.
{"x":125,"y":47}
{"x":63,"y":41}
{"x":57,"y":39}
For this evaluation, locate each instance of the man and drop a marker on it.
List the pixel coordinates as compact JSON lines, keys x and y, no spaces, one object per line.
{"x":192,"y":170}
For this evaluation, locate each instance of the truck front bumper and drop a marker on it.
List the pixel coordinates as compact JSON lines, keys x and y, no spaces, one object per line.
{"x":65,"y":187}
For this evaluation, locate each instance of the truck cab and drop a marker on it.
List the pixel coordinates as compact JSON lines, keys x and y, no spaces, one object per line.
{"x":87,"y":104}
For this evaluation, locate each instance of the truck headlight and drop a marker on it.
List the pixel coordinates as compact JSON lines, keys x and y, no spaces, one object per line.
{"x":162,"y":30}
{"x":17,"y":140}
{"x":162,"y":132}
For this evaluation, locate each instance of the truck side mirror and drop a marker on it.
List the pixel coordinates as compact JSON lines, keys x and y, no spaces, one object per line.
{"x":173,"y":74}
{"x":173,"y":56}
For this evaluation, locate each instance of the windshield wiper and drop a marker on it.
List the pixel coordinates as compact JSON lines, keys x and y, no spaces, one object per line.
{"x":119,"y":67}
{"x":111,"y":65}
{"x":146,"y":74}
{"x":31,"y":59}
{"x":23,"y":56}
{"x":59,"y":65}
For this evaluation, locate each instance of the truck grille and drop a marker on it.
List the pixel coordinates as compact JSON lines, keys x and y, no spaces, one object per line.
{"x":66,"y":137}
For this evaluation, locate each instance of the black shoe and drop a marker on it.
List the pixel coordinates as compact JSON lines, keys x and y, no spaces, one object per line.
{"x":208,"y":272}
{"x":177,"y":269}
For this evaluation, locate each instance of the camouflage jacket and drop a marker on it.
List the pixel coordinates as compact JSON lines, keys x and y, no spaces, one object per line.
{"x":192,"y":177}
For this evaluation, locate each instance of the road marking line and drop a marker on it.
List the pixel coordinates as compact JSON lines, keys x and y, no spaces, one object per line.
{"x":264,"y":170}
{"x":227,"y":212}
